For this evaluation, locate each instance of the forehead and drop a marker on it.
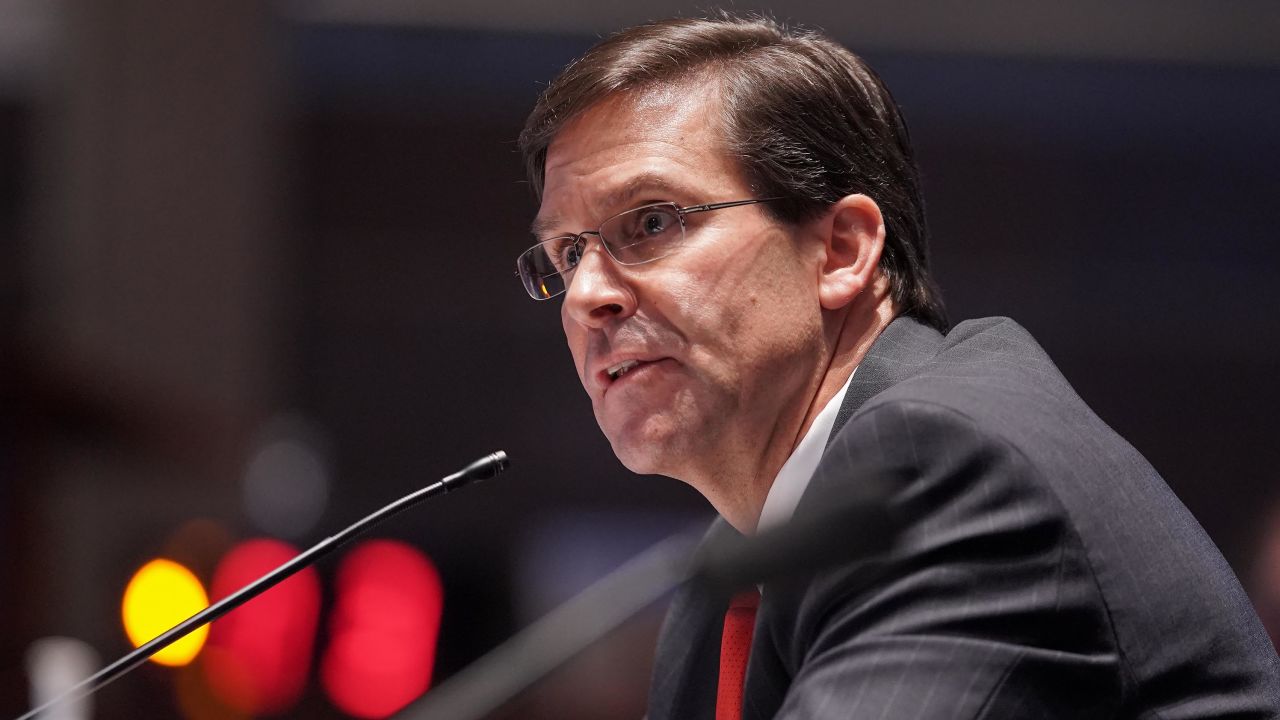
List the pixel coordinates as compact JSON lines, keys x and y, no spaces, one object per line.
{"x":661,"y":144}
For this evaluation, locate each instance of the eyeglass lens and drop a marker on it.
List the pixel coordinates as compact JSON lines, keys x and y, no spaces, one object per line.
{"x":633,"y":237}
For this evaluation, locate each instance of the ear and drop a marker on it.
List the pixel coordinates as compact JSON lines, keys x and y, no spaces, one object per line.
{"x":853,"y":237}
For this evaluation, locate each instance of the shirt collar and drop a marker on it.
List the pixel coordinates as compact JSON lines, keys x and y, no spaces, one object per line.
{"x":793,"y":479}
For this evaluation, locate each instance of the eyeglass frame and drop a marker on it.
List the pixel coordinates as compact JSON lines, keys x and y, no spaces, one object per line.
{"x":578,"y":238}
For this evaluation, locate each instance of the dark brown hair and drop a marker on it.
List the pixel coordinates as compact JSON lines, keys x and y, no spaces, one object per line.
{"x":807,"y":120}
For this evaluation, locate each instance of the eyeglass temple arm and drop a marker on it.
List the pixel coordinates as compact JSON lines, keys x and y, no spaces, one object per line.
{"x":721,"y":205}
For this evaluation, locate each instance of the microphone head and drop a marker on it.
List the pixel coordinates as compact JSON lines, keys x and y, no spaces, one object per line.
{"x":482,"y":469}
{"x":500,"y":461}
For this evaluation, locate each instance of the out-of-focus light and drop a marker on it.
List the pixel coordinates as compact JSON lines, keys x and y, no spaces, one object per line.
{"x":196,"y":700}
{"x":199,"y":544}
{"x":259,"y":654}
{"x":160,"y":595}
{"x":54,"y":665}
{"x":384,"y":625}
{"x":286,"y":483}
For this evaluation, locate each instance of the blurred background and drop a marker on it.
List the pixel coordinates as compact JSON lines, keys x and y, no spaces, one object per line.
{"x":256,"y":281}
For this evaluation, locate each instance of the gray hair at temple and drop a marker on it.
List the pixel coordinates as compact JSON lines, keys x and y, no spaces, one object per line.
{"x":809,"y":122}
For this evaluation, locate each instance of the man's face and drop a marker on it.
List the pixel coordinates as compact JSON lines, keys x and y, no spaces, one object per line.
{"x":727,"y":330}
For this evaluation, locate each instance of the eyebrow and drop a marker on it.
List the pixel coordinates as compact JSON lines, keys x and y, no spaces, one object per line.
{"x":642,"y":183}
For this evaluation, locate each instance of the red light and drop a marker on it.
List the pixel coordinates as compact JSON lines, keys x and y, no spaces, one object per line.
{"x":385,"y":622}
{"x":258,"y":656}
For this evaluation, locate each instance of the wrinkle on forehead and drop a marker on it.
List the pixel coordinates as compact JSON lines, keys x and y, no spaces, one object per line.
{"x":658,"y":106}
{"x":661,"y":142}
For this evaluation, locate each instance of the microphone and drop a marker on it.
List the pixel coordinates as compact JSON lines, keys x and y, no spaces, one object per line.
{"x":482,"y":469}
{"x":860,"y":524}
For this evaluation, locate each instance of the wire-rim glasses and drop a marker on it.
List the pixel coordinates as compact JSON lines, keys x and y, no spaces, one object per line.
{"x":634,"y":237}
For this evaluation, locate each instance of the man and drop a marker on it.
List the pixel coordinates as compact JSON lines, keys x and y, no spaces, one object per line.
{"x":732,"y":213}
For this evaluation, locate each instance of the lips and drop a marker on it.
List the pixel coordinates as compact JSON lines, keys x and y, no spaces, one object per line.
{"x":618,"y":370}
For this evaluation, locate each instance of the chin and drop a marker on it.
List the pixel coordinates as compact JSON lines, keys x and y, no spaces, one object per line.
{"x":656,"y":443}
{"x":646,"y":453}
{"x":639,"y":459}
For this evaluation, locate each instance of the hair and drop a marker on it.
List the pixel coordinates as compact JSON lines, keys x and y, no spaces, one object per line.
{"x":807,"y":120}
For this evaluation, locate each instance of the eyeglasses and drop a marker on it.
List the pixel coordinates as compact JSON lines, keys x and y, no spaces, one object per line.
{"x":634,"y":237}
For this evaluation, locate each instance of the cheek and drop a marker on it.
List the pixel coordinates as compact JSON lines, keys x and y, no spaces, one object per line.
{"x":721,"y":324}
{"x":774,"y":320}
{"x":576,"y":338}
{"x":756,"y":300}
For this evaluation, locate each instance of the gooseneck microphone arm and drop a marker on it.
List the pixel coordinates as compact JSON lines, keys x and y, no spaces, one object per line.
{"x":533,"y":653}
{"x":485,"y":467}
{"x":856,"y":524}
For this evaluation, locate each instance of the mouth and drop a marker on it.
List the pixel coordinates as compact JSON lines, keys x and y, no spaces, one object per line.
{"x":616,"y":371}
{"x":619,"y":372}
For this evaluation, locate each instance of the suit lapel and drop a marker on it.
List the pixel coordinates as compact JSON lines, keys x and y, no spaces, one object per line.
{"x":902,"y":348}
{"x":899,"y":352}
{"x":688,"y":654}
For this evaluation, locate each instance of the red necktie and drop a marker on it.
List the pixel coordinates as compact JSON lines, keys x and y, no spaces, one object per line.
{"x":735,"y":649}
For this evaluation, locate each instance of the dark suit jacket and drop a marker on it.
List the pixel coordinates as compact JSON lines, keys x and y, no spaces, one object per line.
{"x":1043,"y":568}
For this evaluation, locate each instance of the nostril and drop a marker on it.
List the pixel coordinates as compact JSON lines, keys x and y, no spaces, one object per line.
{"x":610,"y":309}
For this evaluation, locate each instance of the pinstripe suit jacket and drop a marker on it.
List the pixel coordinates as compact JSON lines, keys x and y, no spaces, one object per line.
{"x":1044,"y":568}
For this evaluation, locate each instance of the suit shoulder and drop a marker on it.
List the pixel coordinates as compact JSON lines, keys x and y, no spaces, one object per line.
{"x":969,"y":446}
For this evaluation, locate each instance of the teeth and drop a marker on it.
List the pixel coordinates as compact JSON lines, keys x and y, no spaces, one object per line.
{"x":621,"y":368}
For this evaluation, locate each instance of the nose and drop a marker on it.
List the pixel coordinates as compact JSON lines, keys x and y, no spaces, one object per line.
{"x":598,"y":294}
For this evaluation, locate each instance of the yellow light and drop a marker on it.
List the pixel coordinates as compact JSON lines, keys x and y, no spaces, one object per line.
{"x":160,"y":595}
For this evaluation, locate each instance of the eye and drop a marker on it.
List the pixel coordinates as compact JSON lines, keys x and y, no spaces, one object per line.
{"x":640,"y":225}
{"x":572,"y":255}
{"x":563,"y":253}
{"x":655,"y":222}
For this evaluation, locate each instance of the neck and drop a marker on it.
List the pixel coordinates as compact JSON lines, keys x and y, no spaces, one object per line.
{"x":739,"y":488}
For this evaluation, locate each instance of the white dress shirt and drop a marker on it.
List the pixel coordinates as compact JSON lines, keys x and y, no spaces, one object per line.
{"x":793,"y":478}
